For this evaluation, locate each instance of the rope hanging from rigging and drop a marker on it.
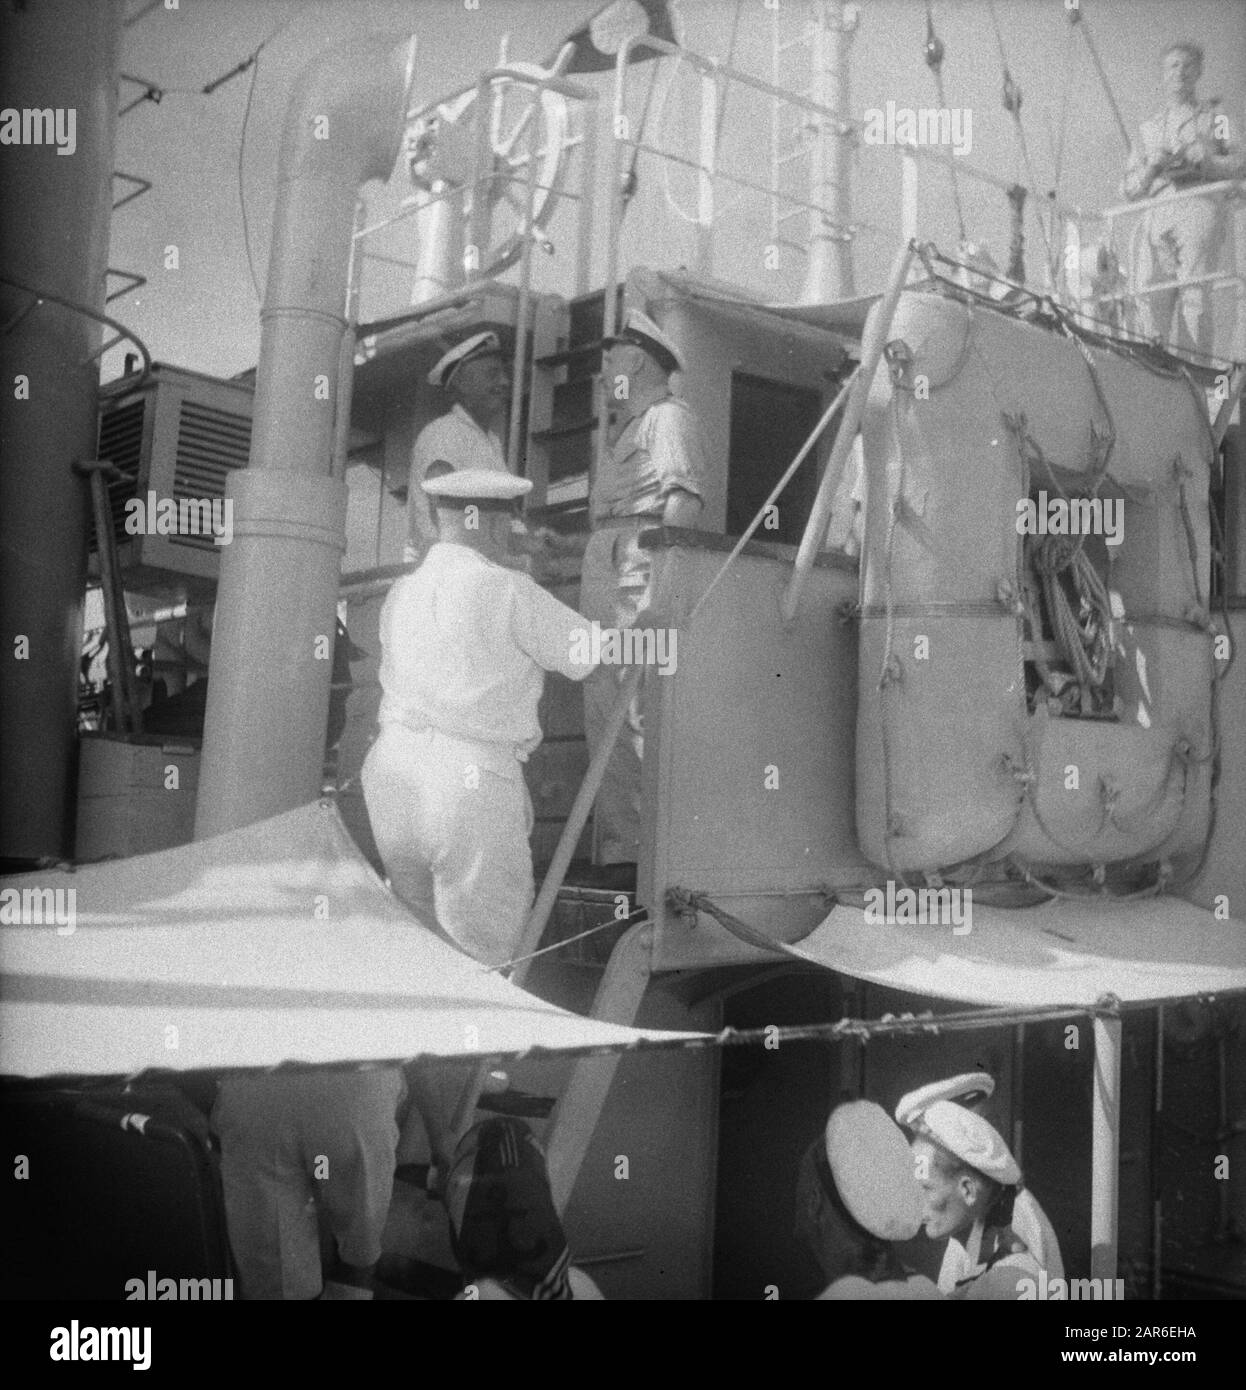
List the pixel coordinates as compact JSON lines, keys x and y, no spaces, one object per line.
{"x":934,"y":52}
{"x":1011,"y":98}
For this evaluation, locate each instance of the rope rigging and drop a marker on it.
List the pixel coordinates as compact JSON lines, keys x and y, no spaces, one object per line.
{"x":934,"y":51}
{"x":1012,"y":104}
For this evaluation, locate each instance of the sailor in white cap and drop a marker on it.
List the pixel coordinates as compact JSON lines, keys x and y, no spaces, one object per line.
{"x":465,"y":644}
{"x":652,"y":472}
{"x":970,"y":1089}
{"x":856,"y":1195}
{"x":469,"y":435}
{"x":971,"y":1182}
{"x":1029,"y":1222}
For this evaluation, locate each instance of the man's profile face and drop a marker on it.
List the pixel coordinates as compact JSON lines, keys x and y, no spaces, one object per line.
{"x":1181,"y":70}
{"x":483,"y":385}
{"x":947,"y":1211}
{"x":620,"y":361}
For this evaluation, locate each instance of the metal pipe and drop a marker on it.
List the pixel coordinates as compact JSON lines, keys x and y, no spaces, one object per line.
{"x":871,"y":353}
{"x":523,"y":311}
{"x":828,"y":274}
{"x":1105,"y":1138}
{"x":58,"y":56}
{"x":268,"y":687}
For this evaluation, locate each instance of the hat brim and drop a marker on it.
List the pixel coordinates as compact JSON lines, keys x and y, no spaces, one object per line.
{"x":655,"y":349}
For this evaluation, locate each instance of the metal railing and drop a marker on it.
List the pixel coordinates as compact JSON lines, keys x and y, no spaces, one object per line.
{"x":1112,"y":275}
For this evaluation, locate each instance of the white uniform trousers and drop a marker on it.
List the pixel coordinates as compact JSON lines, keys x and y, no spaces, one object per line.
{"x":451,"y":818}
{"x":614,"y":588}
{"x":298,"y":1146}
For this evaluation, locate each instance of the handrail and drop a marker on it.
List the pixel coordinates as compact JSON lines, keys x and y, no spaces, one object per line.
{"x":1139,"y":205}
{"x":554,"y":82}
{"x":711,"y":67}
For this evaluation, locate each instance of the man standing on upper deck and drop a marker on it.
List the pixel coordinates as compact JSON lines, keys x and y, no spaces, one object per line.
{"x":469,"y":435}
{"x":652,"y":473}
{"x":1188,"y":143}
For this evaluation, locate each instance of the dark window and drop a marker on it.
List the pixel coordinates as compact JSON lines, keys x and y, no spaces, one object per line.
{"x":770,"y":420}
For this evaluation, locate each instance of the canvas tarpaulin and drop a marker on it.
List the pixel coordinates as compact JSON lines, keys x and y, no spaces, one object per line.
{"x":1061,"y":953}
{"x":274,"y":943}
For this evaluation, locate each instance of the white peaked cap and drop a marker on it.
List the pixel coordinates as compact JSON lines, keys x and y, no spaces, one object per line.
{"x":967,"y":1088}
{"x":640,"y":329}
{"x":972,"y":1139}
{"x":478,"y":345}
{"x":872,"y":1167}
{"x":478,"y":485}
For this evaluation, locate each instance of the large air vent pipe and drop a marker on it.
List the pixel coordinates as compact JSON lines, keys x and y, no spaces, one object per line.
{"x":272,"y":642}
{"x":58,"y":74}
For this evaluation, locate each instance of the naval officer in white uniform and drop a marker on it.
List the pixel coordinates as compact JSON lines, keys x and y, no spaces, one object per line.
{"x":465,"y":645}
{"x":469,"y":435}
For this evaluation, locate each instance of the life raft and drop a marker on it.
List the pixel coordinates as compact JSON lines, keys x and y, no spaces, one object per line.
{"x":1028,"y":694}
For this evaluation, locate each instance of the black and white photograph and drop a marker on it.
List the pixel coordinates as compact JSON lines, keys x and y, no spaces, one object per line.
{"x":619,"y":670}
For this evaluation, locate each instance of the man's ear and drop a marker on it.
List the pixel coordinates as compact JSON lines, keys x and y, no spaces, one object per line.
{"x":969,"y":1189}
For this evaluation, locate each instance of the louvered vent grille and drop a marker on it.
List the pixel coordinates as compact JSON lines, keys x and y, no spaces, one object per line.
{"x":211,"y":442}
{"x":121,"y":443}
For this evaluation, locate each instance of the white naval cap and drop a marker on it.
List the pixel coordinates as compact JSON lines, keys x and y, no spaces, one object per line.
{"x":478,"y":345}
{"x":872,"y":1167}
{"x":641,"y":330}
{"x":972,"y":1139}
{"x":969,"y":1088}
{"x":477,"y":485}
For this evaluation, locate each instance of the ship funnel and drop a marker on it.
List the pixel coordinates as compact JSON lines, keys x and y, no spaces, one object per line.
{"x":272,"y":644}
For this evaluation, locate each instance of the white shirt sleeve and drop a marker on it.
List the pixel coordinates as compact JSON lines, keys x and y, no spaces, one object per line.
{"x":554,"y":636}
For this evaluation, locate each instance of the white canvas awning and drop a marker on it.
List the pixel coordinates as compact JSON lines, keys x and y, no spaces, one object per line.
{"x":1061,"y":953}
{"x":275,"y":943}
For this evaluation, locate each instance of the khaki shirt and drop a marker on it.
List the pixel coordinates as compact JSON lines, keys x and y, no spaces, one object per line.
{"x":659,"y":451}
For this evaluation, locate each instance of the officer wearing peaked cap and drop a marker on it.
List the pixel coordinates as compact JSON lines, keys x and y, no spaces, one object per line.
{"x":857,"y":1194}
{"x":971,"y":1182}
{"x":469,"y":435}
{"x":652,"y":472}
{"x":465,"y":645}
{"x":972,"y":1090}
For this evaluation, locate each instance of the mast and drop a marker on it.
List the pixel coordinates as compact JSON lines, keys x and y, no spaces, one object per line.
{"x":829,"y":275}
